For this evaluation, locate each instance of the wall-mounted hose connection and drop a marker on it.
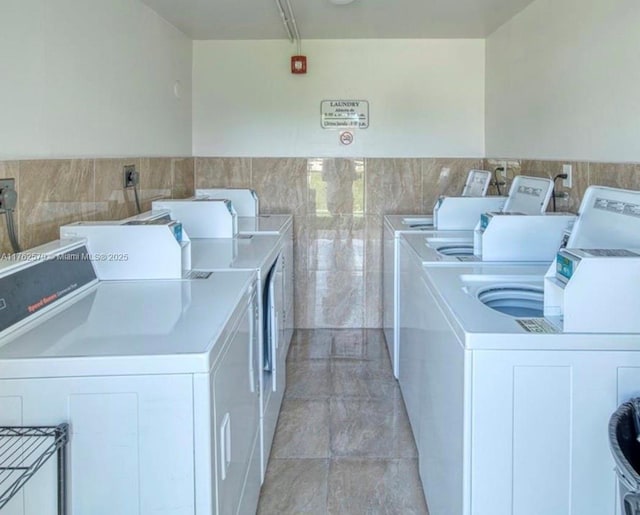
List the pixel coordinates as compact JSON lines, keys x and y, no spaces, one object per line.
{"x":8,"y":203}
{"x":132,"y":180}
{"x":496,"y":181}
{"x":554,"y":195}
{"x":137,"y":198}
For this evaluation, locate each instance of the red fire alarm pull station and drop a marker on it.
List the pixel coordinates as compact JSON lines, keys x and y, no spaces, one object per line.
{"x":298,"y":64}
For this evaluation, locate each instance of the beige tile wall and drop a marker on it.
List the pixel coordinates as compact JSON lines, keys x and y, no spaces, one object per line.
{"x":338,"y":205}
{"x":8,"y":169}
{"x":584,"y":175}
{"x":54,"y":192}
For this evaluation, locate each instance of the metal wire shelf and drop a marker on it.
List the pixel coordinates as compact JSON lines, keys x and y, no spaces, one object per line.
{"x":23,"y":451}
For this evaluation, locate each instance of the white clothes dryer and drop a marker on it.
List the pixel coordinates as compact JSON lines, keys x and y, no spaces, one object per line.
{"x":157,"y":379}
{"x":281,"y":225}
{"x":262,"y":254}
{"x":244,"y":200}
{"x":211,"y":217}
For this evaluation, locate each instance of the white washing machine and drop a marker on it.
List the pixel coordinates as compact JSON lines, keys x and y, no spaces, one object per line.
{"x":414,"y":254}
{"x":394,"y":227}
{"x":281,"y":225}
{"x":157,"y":379}
{"x":527,"y":195}
{"x":514,"y":375}
{"x":476,"y":185}
{"x":512,"y":408}
{"x":517,"y":236}
{"x":504,"y":238}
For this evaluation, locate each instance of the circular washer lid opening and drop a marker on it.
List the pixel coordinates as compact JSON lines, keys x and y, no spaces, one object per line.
{"x":515,"y":301}
{"x":456,"y":250}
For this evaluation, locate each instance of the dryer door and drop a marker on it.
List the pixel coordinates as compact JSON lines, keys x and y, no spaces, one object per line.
{"x":269,"y":320}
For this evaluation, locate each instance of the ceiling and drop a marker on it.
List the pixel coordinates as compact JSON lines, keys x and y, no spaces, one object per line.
{"x":320,"y":19}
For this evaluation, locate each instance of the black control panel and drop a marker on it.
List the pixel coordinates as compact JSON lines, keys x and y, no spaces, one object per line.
{"x":40,"y":285}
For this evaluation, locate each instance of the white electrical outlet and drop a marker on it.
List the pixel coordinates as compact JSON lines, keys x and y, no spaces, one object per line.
{"x":568,"y":182}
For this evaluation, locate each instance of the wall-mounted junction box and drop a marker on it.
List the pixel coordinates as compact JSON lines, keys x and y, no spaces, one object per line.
{"x":8,"y":196}
{"x":130,"y":176}
{"x":568,"y":182}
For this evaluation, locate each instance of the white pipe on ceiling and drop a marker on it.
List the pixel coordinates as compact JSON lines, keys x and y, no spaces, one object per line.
{"x":285,"y":20}
{"x":293,"y":23}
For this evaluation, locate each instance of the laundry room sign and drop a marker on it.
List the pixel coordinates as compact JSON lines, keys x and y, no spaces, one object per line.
{"x":344,"y":114}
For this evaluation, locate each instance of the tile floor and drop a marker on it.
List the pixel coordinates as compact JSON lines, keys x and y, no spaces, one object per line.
{"x":343,"y":444}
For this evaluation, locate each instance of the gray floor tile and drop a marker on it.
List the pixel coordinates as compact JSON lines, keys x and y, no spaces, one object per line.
{"x":354,"y":344}
{"x":362,"y":379}
{"x":343,"y":435}
{"x":370,"y":487}
{"x":303,"y":430}
{"x":348,"y":344}
{"x":295,"y":486}
{"x":309,"y":344}
{"x":371,"y":428}
{"x":308,"y":379}
{"x":376,"y":341}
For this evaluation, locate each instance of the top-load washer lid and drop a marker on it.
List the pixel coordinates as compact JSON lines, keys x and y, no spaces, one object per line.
{"x":515,"y":300}
{"x":529,"y":195}
{"x":609,"y":218}
{"x":477,"y":183}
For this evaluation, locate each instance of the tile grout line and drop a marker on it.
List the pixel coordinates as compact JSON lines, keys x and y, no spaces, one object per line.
{"x":332,"y":458}
{"x":94,"y":200}
{"x":330,"y":462}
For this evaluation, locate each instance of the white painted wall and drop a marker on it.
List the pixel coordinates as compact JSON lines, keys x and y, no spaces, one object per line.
{"x":563,"y":82}
{"x":91,"y":78}
{"x":426,"y":97}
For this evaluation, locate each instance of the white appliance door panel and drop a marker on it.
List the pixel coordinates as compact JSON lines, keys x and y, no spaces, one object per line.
{"x":289,"y":286}
{"x":411,"y":340}
{"x":388,"y":290}
{"x":540,"y":442}
{"x":440,"y":389}
{"x":273,"y":381}
{"x":249,"y":502}
{"x":131,"y":443}
{"x":237,"y":414}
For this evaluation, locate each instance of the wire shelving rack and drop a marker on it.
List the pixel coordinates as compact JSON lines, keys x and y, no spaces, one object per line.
{"x":24,"y":450}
